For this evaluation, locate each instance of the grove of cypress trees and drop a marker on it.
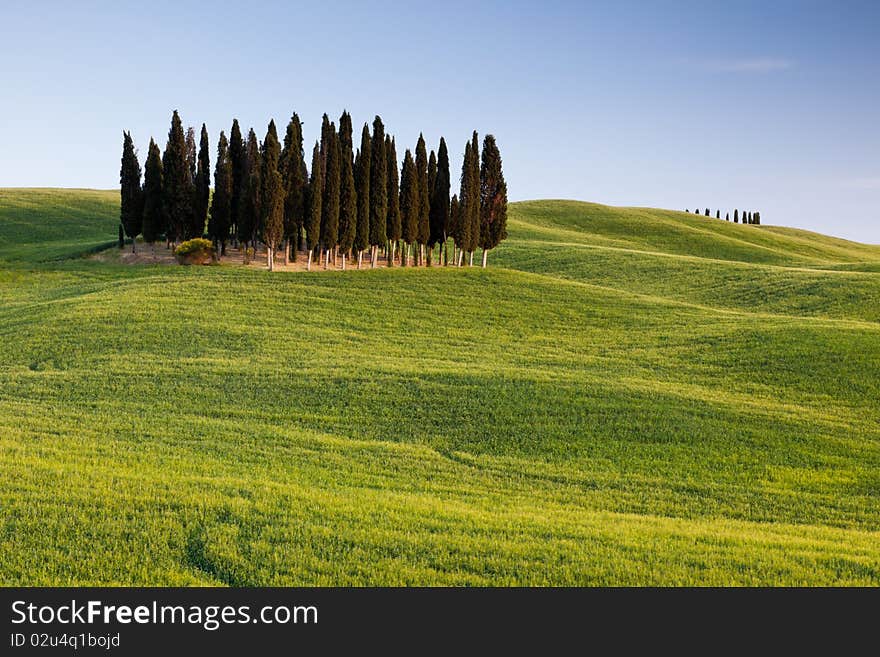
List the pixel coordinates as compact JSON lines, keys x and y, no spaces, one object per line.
{"x":392,"y":225}
{"x":424,"y":206}
{"x":153,"y":214}
{"x":272,"y":199}
{"x":330,"y":203}
{"x":439,"y":214}
{"x":131,"y":194}
{"x":409,"y":205}
{"x":176,"y":194}
{"x":249,"y":221}
{"x":221,"y":203}
{"x":202,"y":184}
{"x":238,"y":166}
{"x":315,"y":197}
{"x":347,"y":193}
{"x":362,"y":187}
{"x":378,"y":190}
{"x":493,"y":198}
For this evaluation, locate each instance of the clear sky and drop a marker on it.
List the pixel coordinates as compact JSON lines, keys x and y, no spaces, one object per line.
{"x":769,"y":106}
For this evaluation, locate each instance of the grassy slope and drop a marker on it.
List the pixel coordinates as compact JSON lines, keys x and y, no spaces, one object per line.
{"x":653,"y":398}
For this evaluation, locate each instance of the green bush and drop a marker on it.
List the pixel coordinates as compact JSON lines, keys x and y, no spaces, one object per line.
{"x":195,"y":251}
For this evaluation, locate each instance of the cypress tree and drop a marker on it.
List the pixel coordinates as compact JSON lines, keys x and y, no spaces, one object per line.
{"x":424,"y":229}
{"x":718,"y":214}
{"x":362,"y":188}
{"x":153,"y":215}
{"x":315,"y":197}
{"x":750,"y":217}
{"x":201,"y":186}
{"x":735,"y":216}
{"x":707,"y":212}
{"x":131,"y":195}
{"x":493,"y":198}
{"x":409,"y":205}
{"x":191,"y":153}
{"x":188,"y":230}
{"x":327,"y":132}
{"x":176,"y":194}
{"x":347,"y":193}
{"x":470,"y":200}
{"x":439,"y":215}
{"x":757,"y":218}
{"x":454,"y":223}
{"x":330,"y":203}
{"x":238,"y":166}
{"x":249,"y":220}
{"x":221,"y":203}
{"x":378,"y":190}
{"x":121,"y":237}
{"x":727,"y":217}
{"x":462,"y":225}
{"x":429,"y":189}
{"x":393,"y":224}
{"x":293,"y":174}
{"x":272,"y":199}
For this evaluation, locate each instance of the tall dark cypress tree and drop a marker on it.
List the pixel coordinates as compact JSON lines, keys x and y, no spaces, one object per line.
{"x":362,"y":185}
{"x":493,"y":198}
{"x":727,"y":216}
{"x":409,"y":205}
{"x":272,"y":197}
{"x":293,"y":174}
{"x":153,"y":214}
{"x":330,"y":203}
{"x":750,"y":217}
{"x":191,"y":156}
{"x":463,"y":225}
{"x":249,"y":220}
{"x":315,"y":197}
{"x":424,"y":228}
{"x":238,"y":165}
{"x":392,"y":225}
{"x":378,"y":190}
{"x":439,"y":216}
{"x":131,"y":194}
{"x":202,"y":186}
{"x":735,"y":216}
{"x":347,"y":192}
{"x":221,"y":203}
{"x":432,"y":176}
{"x":718,"y":214}
{"x":757,"y":218}
{"x":176,"y":192}
{"x":454,"y":225}
{"x":471,"y":201}
{"x":707,"y":212}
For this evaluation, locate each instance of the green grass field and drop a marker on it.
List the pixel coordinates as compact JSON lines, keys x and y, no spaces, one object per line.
{"x":626,"y":396}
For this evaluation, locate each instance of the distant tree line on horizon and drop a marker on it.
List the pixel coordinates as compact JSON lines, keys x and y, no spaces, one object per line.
{"x":747,"y":217}
{"x":347,"y":202}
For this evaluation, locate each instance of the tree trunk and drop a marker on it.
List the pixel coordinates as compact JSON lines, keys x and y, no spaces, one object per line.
{"x":485,"y":253}
{"x":360,"y":257}
{"x":470,"y":258}
{"x":429,"y":256}
{"x":133,"y":242}
{"x":286,"y":252}
{"x":309,"y":263}
{"x":343,"y":262}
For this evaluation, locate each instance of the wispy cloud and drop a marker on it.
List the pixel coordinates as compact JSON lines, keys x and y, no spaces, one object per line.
{"x":748,"y":65}
{"x":862,"y":183}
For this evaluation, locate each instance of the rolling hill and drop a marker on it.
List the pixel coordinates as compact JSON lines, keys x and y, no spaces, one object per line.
{"x":626,"y":396}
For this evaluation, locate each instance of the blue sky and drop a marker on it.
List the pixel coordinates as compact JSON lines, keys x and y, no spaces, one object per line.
{"x":770,"y":106}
